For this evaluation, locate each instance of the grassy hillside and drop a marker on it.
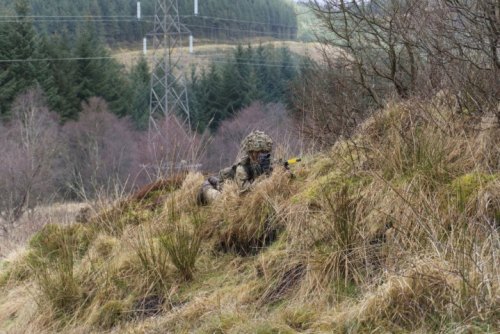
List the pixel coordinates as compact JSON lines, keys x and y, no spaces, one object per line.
{"x":393,"y":230}
{"x":205,"y":52}
{"x":307,"y":24}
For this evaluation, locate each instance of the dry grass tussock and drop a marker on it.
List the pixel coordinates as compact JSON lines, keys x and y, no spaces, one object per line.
{"x":395,"y":229}
{"x":246,"y":223}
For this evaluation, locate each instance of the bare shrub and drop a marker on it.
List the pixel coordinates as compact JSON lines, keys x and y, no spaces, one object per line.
{"x":102,"y":151}
{"x":327,"y":103}
{"x":372,"y":36}
{"x":170,"y":147}
{"x":30,"y":150}
{"x":375,"y":51}
{"x":461,"y":39}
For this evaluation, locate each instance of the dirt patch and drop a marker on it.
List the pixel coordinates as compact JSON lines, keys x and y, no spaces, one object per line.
{"x":148,"y":306}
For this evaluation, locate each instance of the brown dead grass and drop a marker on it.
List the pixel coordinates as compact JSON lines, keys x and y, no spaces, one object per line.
{"x":393,"y":230}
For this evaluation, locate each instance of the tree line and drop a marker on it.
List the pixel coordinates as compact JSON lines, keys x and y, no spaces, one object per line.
{"x":68,"y":71}
{"x":45,"y":160}
{"x":101,"y":155}
{"x":115,"y":19}
{"x":71,"y":71}
{"x":250,"y":74}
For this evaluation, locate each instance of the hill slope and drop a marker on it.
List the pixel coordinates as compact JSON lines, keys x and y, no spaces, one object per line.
{"x":395,"y":229}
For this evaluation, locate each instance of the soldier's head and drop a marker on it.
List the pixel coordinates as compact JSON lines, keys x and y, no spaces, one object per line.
{"x":256,"y":143}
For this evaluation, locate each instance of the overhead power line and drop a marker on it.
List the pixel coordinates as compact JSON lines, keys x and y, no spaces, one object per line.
{"x":242,"y":21}
{"x":234,"y":29}
{"x":74,"y":20}
{"x":66,"y":16}
{"x":259,"y":32}
{"x":266,"y":64}
{"x":29,"y":60}
{"x":229,"y":61}
{"x":84,"y":18}
{"x":134,"y":19}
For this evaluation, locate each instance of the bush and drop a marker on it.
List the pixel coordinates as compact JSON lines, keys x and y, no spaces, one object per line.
{"x":250,"y":236}
{"x":59,"y":287}
{"x":110,"y":314}
{"x":31,"y":150}
{"x":183,"y":246}
{"x":113,"y":221}
{"x":13,"y":272}
{"x":468,"y":185}
{"x":54,"y":252}
{"x":103,"y":151}
{"x":248,"y":223}
{"x":54,"y":240}
{"x":299,"y":318}
{"x":154,"y":263}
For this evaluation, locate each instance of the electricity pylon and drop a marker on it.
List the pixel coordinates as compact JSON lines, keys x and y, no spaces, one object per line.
{"x":168,"y":84}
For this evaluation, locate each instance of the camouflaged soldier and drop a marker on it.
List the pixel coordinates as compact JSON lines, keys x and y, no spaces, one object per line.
{"x":255,"y":161}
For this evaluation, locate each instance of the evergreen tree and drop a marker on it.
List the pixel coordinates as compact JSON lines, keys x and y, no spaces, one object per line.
{"x":58,"y":78}
{"x":230,"y":97}
{"x":140,"y":80}
{"x":243,"y":84}
{"x":240,"y":19}
{"x":8,"y":84}
{"x":97,"y":74}
{"x":90,"y":66}
{"x":197,"y":100}
{"x":18,"y":47}
{"x":288,"y":70}
{"x":263,"y":74}
{"x":273,"y":84}
{"x":215,"y":102}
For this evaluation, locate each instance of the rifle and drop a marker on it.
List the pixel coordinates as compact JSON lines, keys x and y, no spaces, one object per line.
{"x":265,"y":162}
{"x":292,"y":161}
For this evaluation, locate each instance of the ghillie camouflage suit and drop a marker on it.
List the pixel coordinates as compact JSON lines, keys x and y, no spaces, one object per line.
{"x":255,"y":161}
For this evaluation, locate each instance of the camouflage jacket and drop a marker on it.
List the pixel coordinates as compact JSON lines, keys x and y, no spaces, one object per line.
{"x":244,"y":173}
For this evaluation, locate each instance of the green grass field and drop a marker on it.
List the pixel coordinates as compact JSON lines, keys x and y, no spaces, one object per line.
{"x":205,"y":53}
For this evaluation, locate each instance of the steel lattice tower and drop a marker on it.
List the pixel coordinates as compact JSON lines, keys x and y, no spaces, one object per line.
{"x":168,"y":84}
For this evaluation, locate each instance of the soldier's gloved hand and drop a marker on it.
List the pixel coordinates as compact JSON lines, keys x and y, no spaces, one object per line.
{"x":214,"y":182}
{"x":265,"y":162}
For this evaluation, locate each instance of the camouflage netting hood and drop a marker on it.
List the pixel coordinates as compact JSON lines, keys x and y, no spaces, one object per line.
{"x":257,"y":141}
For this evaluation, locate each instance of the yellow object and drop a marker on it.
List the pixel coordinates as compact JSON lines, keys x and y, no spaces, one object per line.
{"x":293,"y":161}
